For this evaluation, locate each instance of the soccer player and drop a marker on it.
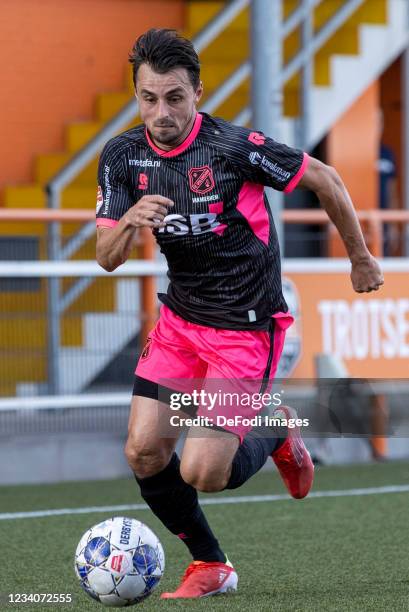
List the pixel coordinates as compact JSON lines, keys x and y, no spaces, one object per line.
{"x":197,"y":182}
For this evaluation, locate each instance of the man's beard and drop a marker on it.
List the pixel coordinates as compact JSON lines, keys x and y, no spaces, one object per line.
{"x":167,"y":139}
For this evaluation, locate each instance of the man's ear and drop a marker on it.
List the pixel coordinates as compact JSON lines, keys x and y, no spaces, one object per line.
{"x":199,"y":92}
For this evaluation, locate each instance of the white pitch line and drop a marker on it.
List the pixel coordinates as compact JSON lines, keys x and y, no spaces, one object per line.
{"x":217,"y":501}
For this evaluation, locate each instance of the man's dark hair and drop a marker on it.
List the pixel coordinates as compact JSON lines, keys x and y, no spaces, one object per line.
{"x":163,"y":50}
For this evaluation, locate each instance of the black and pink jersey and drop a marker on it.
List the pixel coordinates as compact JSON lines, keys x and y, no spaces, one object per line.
{"x":219,"y":241}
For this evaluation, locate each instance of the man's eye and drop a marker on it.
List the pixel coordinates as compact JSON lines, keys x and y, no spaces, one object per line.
{"x":149,"y":99}
{"x":175,"y":99}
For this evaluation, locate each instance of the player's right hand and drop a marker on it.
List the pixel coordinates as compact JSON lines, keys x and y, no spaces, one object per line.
{"x":149,"y":211}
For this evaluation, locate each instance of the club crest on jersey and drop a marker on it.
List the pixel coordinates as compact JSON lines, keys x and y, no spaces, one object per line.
{"x":201,"y":179}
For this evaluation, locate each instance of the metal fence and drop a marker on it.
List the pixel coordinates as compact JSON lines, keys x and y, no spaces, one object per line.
{"x":99,"y":327}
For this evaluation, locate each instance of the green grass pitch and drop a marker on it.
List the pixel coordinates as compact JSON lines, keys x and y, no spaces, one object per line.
{"x":316,"y":555}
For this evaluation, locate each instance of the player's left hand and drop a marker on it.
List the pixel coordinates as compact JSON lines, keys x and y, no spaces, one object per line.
{"x":366,"y":275}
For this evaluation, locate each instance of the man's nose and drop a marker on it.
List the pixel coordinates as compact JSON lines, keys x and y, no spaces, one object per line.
{"x":163,"y":109}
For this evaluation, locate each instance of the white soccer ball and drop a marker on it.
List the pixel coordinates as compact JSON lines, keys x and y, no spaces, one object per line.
{"x":119,"y":562}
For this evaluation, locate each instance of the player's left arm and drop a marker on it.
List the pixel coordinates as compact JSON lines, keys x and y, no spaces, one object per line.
{"x":324,"y":180}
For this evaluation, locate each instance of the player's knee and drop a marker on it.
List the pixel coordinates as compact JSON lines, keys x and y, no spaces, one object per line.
{"x":207,"y":479}
{"x":145,"y":460}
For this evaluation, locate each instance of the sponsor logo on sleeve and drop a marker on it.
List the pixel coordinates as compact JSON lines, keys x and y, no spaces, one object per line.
{"x":267,"y":165}
{"x":255,"y":158}
{"x":108,"y":190}
{"x":201,"y":179}
{"x":257,"y":138}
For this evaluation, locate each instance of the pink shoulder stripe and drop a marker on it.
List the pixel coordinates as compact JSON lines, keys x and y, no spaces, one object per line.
{"x":185,"y":144}
{"x":106,"y":222}
{"x":296,"y":178}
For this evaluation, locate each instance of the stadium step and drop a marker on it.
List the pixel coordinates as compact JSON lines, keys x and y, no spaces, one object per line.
{"x":353,"y":41}
{"x":199,"y":13}
{"x":86,"y":340}
{"x":27,"y":196}
{"x":89,"y":342}
{"x":46,"y":166}
{"x":108,"y":104}
{"x":382,"y":36}
{"x":33,"y":196}
{"x":232,"y":45}
{"x":78,"y":134}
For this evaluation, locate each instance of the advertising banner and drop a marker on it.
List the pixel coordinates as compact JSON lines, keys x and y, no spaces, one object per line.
{"x":369,"y":332}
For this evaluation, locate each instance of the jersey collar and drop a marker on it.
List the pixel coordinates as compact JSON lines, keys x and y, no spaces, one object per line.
{"x":184,"y":145}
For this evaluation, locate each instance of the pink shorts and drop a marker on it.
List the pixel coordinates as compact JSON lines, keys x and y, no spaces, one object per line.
{"x":229,"y":366}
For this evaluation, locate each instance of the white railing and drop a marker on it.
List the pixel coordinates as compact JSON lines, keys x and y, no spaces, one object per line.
{"x":105,"y":334}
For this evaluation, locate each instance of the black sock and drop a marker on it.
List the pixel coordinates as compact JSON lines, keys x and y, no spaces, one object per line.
{"x":253,"y":452}
{"x":175,"y":503}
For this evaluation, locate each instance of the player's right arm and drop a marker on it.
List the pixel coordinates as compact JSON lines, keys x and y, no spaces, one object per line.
{"x":114,"y":244}
{"x":118,"y":216}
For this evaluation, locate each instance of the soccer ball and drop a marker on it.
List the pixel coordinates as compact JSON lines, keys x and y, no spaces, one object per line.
{"x":119,"y":562}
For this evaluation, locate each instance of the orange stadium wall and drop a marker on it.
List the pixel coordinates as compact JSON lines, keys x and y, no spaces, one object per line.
{"x":352,"y":148}
{"x":56,"y":55}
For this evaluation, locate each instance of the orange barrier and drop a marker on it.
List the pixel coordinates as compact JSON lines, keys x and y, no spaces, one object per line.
{"x":371,"y":221}
{"x":48,"y":215}
{"x":297,"y":215}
